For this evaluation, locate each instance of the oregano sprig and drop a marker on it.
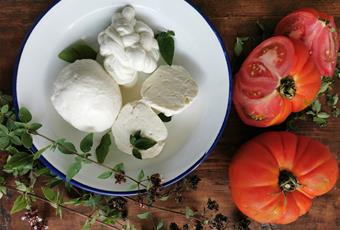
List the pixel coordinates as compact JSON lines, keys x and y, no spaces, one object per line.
{"x":108,"y":211}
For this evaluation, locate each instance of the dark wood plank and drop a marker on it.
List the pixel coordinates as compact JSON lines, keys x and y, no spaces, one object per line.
{"x":259,"y":8}
{"x":232,"y":18}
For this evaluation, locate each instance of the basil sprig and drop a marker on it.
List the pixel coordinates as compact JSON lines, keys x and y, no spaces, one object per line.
{"x":77,"y":51}
{"x":140,"y":143}
{"x":166,"y":45}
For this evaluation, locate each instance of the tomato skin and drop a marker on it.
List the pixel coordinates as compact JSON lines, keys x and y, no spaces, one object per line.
{"x":257,"y":98}
{"x":255,"y":169}
{"x":317,"y":31}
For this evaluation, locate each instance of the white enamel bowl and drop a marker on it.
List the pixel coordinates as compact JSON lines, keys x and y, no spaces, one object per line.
{"x":192,"y":134}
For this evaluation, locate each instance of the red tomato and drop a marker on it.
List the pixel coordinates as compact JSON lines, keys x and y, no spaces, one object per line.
{"x":274,"y":177}
{"x":318,"y":32}
{"x":277,"y":78}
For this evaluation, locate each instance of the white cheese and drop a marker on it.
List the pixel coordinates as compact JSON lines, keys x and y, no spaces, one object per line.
{"x":170,"y":89}
{"x":137,"y":116}
{"x":86,"y":96}
{"x":128,"y":46}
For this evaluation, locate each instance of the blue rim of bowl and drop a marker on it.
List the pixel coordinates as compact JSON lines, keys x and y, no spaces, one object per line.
{"x":128,"y":193}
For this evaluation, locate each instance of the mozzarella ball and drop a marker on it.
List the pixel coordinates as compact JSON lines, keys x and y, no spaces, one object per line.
{"x":86,"y":96}
{"x":128,"y":46}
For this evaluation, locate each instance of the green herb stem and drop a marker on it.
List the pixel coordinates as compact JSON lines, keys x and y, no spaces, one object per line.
{"x":93,"y":161}
{"x":62,"y":206}
{"x":163,"y":209}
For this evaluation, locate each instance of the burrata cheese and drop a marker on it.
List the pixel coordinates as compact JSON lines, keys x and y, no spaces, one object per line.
{"x":86,"y":96}
{"x":128,"y":47}
{"x":137,"y":116}
{"x":170,"y":90}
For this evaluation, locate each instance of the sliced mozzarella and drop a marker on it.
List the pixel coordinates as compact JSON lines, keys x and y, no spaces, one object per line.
{"x":170,"y":89}
{"x":137,"y":116}
{"x":86,"y":96}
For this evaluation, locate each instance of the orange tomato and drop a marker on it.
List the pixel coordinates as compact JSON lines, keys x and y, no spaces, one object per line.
{"x":275,"y":176}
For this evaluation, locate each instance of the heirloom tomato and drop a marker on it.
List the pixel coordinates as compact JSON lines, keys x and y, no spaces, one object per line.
{"x":277,"y":78}
{"x":318,"y":32}
{"x":275,"y":176}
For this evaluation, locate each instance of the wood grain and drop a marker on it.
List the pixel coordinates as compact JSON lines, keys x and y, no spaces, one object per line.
{"x":231,"y":18}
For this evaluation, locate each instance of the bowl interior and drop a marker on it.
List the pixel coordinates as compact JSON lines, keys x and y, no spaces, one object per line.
{"x":191,"y":133}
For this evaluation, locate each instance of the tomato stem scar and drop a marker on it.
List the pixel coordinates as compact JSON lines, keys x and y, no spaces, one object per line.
{"x":287,"y":181}
{"x":287,"y":87}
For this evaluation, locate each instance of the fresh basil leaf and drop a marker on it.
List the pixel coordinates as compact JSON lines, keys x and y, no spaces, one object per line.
{"x":42,"y":171}
{"x":35,"y":126}
{"x":12,"y":150}
{"x":141,"y":175}
{"x":73,"y":170}
{"x":144,"y":215}
{"x":3,"y":129}
{"x":38,"y":153}
{"x":166,"y":45}
{"x":324,"y":86}
{"x":137,"y":154}
{"x":133,"y":140}
{"x":3,"y":191}
{"x":144,"y":143}
{"x":189,"y":213}
{"x":119,"y":167}
{"x":103,"y":148}
{"x":4,"y":109}
{"x":134,"y":137}
{"x":323,"y":115}
{"x":4,"y":142}
{"x":19,"y":132}
{"x":26,"y":140}
{"x":24,"y":115}
{"x":319,"y":121}
{"x":133,"y":186}
{"x":105,"y":175}
{"x":86,"y":143}
{"x":238,"y":47}
{"x":316,"y":107}
{"x":19,"y":204}
{"x":50,"y":194}
{"x":335,"y":99}
{"x":20,"y":162}
{"x":21,"y":186}
{"x":15,"y":140}
{"x":310,"y":113}
{"x":77,"y":51}
{"x":164,"y":118}
{"x":66,"y":147}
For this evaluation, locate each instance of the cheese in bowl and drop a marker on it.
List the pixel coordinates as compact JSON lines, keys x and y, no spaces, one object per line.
{"x":88,"y":95}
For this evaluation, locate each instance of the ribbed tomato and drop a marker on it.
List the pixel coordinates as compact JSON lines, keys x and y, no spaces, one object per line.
{"x":277,"y":78}
{"x":275,"y":176}
{"x":318,"y":32}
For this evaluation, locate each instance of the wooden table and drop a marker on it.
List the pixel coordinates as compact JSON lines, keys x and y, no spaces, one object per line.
{"x":232,"y":18}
